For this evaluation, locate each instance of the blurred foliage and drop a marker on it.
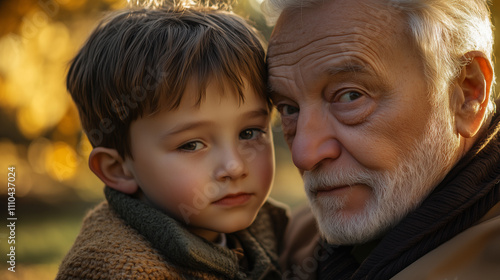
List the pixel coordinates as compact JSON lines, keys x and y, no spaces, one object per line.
{"x":41,"y":136}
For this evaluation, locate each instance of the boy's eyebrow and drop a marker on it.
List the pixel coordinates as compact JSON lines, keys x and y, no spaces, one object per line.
{"x":256,"y":113}
{"x":185,"y":127}
{"x":192,"y":125}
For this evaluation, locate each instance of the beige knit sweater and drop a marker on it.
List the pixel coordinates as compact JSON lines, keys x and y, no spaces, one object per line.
{"x":125,"y":238}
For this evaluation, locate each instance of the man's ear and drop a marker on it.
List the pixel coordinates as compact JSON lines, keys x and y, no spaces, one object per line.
{"x":472,"y":93}
{"x":110,"y":167}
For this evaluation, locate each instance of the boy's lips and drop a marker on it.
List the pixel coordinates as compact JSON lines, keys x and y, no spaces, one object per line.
{"x":234,"y":199}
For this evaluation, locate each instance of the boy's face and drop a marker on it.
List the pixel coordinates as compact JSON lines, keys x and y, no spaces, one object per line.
{"x":209,"y":166}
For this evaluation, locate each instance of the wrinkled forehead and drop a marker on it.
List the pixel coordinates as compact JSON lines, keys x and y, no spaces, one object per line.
{"x":335,"y":20}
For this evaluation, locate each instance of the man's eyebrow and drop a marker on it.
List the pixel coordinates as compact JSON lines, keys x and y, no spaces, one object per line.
{"x":353,"y":68}
{"x":348,"y":68}
{"x":272,"y":93}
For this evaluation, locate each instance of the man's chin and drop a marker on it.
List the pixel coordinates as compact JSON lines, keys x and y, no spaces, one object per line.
{"x":340,"y":227}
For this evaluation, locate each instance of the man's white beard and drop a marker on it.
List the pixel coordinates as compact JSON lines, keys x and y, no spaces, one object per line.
{"x":395,"y":192}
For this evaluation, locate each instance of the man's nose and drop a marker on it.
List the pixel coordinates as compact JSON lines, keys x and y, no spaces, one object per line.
{"x":314,"y":141}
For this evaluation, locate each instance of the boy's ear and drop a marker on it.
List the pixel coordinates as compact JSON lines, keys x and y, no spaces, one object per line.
{"x":472,"y":93}
{"x":109,"y":166}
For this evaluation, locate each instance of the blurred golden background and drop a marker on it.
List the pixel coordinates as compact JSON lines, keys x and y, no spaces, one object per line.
{"x":41,"y":136}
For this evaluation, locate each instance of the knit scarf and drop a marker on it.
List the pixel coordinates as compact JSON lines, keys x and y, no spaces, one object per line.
{"x":174,"y":241}
{"x":466,"y":194}
{"x":183,"y":249}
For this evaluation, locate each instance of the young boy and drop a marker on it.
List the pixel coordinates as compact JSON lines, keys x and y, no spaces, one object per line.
{"x":174,"y":103}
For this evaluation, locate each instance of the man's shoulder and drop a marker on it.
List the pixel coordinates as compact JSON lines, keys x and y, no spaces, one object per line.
{"x":301,"y":242}
{"x":302,"y":228}
{"x":473,"y":253}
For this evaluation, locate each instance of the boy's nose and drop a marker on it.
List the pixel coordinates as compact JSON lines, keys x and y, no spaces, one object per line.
{"x":232,"y":166}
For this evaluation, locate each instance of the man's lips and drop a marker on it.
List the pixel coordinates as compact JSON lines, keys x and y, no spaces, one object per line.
{"x":234,"y":199}
{"x":331,"y":190}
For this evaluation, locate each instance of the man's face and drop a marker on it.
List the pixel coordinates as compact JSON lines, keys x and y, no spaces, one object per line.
{"x":351,"y":92}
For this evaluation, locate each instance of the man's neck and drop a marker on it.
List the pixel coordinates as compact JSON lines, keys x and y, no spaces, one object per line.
{"x":362,"y":251}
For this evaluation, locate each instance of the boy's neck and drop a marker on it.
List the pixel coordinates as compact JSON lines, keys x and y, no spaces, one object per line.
{"x":221,"y":240}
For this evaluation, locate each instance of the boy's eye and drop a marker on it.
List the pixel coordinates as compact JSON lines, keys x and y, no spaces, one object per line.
{"x":191,"y":146}
{"x":252,"y":133}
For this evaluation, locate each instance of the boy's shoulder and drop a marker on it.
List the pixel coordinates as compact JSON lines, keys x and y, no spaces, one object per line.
{"x":106,"y":248}
{"x":270,"y":224}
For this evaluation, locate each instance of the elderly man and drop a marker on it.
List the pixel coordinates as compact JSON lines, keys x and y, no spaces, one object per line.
{"x":388,"y":110}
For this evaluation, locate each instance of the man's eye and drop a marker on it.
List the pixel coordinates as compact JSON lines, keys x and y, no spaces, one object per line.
{"x":191,"y":146}
{"x":349,"y":96}
{"x":249,"y":134}
{"x":287,"y":110}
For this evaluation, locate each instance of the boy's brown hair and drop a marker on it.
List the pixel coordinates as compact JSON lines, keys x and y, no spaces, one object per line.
{"x":138,"y":62}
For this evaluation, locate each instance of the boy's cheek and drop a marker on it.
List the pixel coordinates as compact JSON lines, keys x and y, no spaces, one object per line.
{"x":265,"y":167}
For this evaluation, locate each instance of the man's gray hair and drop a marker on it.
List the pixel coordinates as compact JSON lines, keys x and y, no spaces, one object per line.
{"x":442,"y":30}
